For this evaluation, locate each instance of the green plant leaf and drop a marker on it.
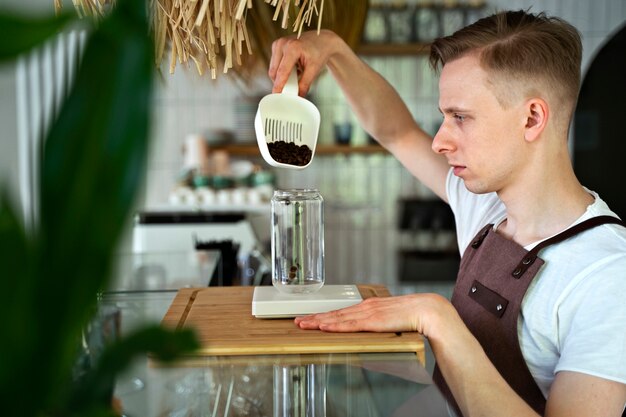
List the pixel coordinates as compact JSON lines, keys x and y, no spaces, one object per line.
{"x":19,"y":33}
{"x":16,"y":280}
{"x":92,"y":166}
{"x":93,"y":162}
{"x":13,"y":248}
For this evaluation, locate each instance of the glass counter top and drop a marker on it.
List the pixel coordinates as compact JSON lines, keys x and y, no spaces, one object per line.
{"x":371,"y":384}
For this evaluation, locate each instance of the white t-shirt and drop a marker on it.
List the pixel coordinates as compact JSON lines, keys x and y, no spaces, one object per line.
{"x":573,"y":317}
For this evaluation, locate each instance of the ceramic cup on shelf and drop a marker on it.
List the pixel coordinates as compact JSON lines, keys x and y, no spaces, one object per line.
{"x":343,"y":133}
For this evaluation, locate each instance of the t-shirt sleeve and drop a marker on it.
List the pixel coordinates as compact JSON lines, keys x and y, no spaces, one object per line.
{"x":592,"y":325}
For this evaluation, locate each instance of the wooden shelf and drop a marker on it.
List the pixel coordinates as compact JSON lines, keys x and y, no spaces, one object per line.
{"x":239,"y":150}
{"x":253,"y":150}
{"x":386,"y":49}
{"x":385,"y":16}
{"x":346,"y":149}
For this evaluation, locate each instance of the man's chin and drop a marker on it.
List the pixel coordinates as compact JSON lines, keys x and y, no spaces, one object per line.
{"x":476,"y":188}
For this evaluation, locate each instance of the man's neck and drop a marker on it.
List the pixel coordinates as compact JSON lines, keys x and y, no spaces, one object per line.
{"x":540,"y":209}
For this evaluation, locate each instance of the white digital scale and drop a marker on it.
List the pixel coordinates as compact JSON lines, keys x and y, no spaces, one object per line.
{"x":268,"y":302}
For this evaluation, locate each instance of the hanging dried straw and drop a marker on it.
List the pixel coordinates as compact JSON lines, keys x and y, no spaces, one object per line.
{"x":207,"y":32}
{"x":344,"y":17}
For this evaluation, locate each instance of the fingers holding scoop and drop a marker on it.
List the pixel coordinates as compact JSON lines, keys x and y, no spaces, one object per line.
{"x":289,"y":52}
{"x":286,"y":54}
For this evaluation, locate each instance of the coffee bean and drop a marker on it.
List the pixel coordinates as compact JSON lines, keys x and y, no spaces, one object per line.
{"x":289,"y":153}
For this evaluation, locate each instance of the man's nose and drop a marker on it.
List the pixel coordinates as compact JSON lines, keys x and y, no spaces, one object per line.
{"x":442,"y":142}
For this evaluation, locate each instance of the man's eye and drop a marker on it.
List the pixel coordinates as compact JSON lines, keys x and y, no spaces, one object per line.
{"x":459,"y":117}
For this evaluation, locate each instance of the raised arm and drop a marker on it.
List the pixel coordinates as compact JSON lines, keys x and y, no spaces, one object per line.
{"x":379,"y":108}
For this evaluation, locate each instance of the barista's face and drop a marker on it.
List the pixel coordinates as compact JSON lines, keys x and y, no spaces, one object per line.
{"x":482,"y":141}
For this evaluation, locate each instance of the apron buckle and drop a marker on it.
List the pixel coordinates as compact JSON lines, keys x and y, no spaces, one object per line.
{"x":523,"y":265}
{"x":479,"y":240}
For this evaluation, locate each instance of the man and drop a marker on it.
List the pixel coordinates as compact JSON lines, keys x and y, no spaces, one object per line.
{"x":537,"y":322}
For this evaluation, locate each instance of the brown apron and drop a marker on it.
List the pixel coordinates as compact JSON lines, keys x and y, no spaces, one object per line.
{"x":494,"y":275}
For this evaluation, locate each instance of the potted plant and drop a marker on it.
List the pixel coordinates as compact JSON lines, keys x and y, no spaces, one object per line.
{"x":91,"y":167}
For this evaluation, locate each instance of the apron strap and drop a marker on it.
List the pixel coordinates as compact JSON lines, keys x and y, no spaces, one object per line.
{"x":531,"y":256}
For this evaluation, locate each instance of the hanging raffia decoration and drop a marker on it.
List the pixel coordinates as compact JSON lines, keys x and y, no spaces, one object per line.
{"x":208,"y":32}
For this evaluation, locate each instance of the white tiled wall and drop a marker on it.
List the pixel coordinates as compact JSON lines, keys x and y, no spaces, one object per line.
{"x":361,"y":192}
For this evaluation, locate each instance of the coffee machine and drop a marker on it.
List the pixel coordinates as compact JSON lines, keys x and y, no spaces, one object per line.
{"x":209,"y":248}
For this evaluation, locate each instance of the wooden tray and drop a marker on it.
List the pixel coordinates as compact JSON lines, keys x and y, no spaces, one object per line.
{"x":223,"y":320}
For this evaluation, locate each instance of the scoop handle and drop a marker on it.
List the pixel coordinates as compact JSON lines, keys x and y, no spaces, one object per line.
{"x":292,"y":83}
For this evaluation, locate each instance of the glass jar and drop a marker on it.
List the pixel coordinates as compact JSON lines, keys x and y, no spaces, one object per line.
{"x":297,"y":241}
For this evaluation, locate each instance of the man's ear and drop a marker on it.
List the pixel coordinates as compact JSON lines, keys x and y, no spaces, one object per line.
{"x":537,"y":113}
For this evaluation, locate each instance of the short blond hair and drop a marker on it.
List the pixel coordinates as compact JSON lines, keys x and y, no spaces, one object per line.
{"x":539,"y":51}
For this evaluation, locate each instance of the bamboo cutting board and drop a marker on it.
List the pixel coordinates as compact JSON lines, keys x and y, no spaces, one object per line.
{"x":223,"y":320}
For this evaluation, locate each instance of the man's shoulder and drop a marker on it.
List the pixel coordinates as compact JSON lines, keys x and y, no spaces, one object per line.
{"x":590,"y":264}
{"x":608,"y":238}
{"x":604,"y":243}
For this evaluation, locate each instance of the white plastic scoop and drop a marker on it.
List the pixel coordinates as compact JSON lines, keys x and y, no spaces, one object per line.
{"x":286,"y":117}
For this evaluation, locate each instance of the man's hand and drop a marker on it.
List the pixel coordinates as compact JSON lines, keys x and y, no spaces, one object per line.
{"x":408,"y":313}
{"x":310,"y":53}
